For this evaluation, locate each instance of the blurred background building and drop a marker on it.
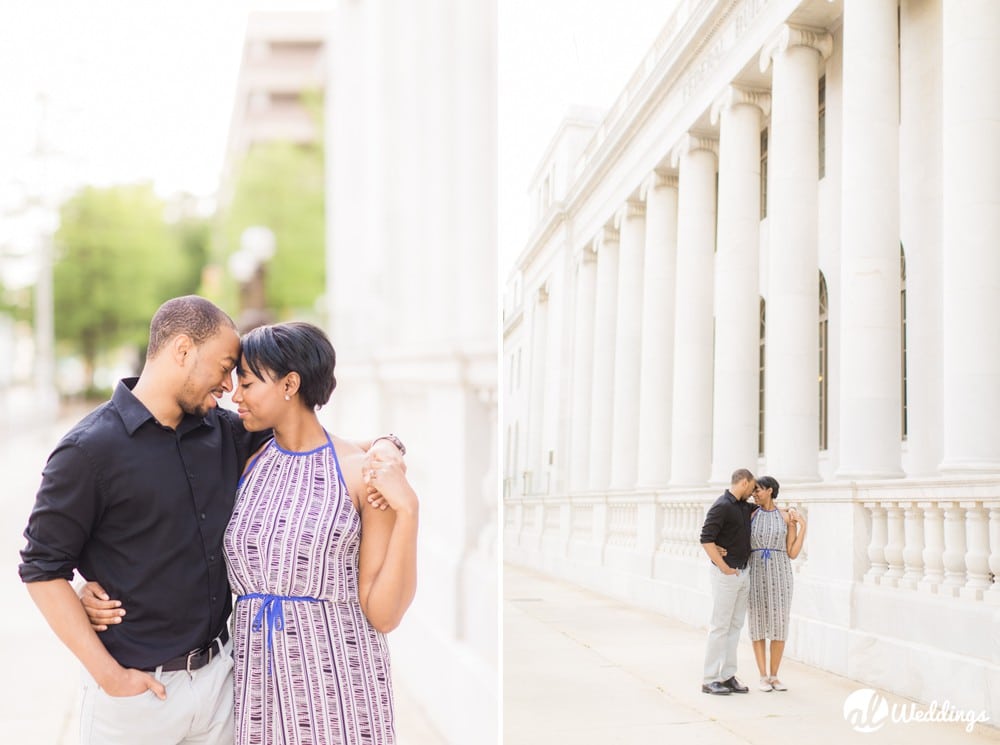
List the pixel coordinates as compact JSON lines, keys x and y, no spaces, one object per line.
{"x":776,"y":249}
{"x":412,"y":295}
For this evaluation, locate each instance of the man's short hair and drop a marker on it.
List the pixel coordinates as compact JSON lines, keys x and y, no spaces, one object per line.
{"x":739,"y":475}
{"x":192,"y":315}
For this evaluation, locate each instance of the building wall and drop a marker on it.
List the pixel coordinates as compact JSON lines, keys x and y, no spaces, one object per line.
{"x":412,"y":299}
{"x":904,"y":533}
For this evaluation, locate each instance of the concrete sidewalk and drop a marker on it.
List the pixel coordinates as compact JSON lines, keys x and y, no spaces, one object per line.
{"x":39,"y":694}
{"x":585,"y":669}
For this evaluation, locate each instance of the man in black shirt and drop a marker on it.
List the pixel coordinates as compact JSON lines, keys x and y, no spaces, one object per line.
{"x":727,"y":526}
{"x":138,"y":495}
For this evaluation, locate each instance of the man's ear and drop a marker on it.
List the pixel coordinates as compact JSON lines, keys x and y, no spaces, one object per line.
{"x":181,"y":349}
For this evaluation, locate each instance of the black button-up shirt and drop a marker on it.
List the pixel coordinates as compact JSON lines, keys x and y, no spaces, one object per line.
{"x":727,"y":524}
{"x":141,"y":508}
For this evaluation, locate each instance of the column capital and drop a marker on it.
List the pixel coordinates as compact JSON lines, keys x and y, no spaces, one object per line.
{"x":631,"y":208}
{"x":657,"y":179}
{"x":692,"y":141}
{"x":607,"y":234}
{"x":585,"y":254}
{"x":737,"y":95}
{"x":795,"y":36}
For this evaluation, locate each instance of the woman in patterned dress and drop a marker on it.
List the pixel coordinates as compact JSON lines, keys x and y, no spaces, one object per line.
{"x":321,"y":569}
{"x":776,"y":537}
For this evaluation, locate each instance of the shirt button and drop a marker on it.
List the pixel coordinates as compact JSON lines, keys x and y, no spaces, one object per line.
{"x":211,"y":557}
{"x":202,"y":515}
{"x":213,"y":598}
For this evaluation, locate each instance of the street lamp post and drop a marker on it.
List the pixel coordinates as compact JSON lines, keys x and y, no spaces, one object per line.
{"x":248,"y":267}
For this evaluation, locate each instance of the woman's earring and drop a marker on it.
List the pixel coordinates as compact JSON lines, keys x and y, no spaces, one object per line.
{"x":287,"y":397}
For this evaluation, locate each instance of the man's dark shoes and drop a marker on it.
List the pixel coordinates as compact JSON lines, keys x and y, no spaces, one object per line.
{"x":735,"y":686}
{"x":715,"y":687}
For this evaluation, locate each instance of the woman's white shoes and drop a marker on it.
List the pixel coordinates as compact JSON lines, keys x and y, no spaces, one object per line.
{"x":776,"y":684}
{"x":765,"y":684}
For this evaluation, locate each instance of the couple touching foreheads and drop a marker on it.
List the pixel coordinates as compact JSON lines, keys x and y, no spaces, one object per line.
{"x":751,"y":545}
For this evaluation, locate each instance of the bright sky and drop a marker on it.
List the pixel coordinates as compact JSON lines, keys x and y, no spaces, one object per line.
{"x":133,"y":91}
{"x":144,"y":90}
{"x":554,"y":54}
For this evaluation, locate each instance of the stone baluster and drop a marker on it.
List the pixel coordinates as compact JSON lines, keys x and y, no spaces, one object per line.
{"x":977,"y":555}
{"x":993,"y":594}
{"x":913,"y":546}
{"x":876,"y":547}
{"x":894,"y":545}
{"x":954,"y":549}
{"x":933,"y":547}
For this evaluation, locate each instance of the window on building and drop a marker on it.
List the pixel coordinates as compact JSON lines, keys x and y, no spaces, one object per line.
{"x":822,"y":126}
{"x":760,"y":381}
{"x":763,"y":173}
{"x":824,"y":362}
{"x":902,"y":337}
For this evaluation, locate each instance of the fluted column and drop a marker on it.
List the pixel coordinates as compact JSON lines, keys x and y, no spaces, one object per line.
{"x":791,"y":400}
{"x":583,"y":362}
{"x":970,"y":226}
{"x":605,"y":313}
{"x":691,"y":440}
{"x":656,"y":378}
{"x":870,"y":338}
{"x":631,"y":223}
{"x":737,"y":304}
{"x":536,"y":413}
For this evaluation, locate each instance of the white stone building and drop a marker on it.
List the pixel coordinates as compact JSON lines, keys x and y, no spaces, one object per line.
{"x":412,"y":304}
{"x":778,"y":250}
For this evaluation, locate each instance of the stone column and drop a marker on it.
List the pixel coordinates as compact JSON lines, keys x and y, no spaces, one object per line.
{"x":656,"y":379}
{"x":691,"y":439}
{"x":791,"y":397}
{"x":583,"y":362}
{"x":737,"y":282}
{"x":536,"y":390}
{"x":631,"y":224}
{"x":970,"y":226}
{"x":870,"y":338}
{"x":605,"y":312}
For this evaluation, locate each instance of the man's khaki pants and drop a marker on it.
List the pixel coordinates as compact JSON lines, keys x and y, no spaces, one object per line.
{"x":198,"y":709}
{"x":729,"y":611}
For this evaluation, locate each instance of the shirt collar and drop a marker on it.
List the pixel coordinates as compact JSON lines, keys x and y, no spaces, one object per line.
{"x":134,"y":413}
{"x":731,"y":497}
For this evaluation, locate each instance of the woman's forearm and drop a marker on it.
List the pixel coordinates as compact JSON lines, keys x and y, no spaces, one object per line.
{"x":394,"y":586}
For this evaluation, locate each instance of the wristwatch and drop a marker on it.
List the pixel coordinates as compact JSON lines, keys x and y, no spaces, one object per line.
{"x":394,"y":440}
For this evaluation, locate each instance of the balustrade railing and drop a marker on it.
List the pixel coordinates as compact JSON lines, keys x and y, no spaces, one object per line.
{"x":947,"y":545}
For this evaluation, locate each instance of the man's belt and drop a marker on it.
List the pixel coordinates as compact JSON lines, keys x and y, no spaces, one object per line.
{"x":196,"y":658}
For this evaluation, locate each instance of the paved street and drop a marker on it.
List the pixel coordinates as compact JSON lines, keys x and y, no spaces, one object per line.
{"x":39,"y":694}
{"x":584,"y":669}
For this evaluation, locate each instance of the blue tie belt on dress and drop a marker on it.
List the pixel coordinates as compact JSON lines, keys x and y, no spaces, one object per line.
{"x":272,"y":613}
{"x":767,"y":552}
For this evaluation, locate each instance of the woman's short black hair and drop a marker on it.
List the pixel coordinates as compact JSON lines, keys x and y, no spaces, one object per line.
{"x":296,"y":346}
{"x":769,"y":482}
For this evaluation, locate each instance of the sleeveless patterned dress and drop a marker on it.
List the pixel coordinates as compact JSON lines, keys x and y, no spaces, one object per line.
{"x":769,"y":603}
{"x":309,"y":667}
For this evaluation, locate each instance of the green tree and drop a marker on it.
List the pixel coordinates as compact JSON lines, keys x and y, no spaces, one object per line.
{"x":281,"y":186}
{"x":116,"y":261}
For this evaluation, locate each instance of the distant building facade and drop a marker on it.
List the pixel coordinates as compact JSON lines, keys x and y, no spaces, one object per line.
{"x":284,"y":58}
{"x":777,"y":250}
